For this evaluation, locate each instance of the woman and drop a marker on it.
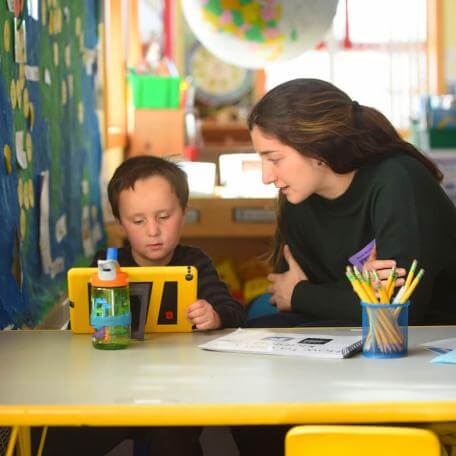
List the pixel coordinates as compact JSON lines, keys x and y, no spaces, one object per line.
{"x":348,"y":185}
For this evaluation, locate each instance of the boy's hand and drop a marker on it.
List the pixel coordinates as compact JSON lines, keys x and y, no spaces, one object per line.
{"x":283,"y":284}
{"x":203,"y":315}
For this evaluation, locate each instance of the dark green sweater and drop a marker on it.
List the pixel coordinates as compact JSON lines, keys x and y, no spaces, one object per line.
{"x":399,"y":204}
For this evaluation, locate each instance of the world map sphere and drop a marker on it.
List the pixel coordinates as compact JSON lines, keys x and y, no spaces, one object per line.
{"x":256,"y":33}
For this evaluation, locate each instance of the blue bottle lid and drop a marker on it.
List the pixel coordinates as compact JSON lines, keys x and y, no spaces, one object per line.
{"x":111,"y":253}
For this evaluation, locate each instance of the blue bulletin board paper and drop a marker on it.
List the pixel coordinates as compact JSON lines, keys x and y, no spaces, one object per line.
{"x":50,"y":154}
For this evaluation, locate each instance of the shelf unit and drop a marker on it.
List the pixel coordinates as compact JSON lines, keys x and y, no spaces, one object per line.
{"x":217,"y":227}
{"x":157,"y":132}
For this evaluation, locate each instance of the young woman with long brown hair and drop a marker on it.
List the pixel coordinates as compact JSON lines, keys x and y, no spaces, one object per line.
{"x":348,"y":185}
{"x":347,"y":180}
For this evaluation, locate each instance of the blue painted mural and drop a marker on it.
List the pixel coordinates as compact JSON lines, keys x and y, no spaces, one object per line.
{"x":50,"y":150}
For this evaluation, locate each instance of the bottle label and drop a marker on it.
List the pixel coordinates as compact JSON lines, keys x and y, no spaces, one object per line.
{"x":119,"y":320}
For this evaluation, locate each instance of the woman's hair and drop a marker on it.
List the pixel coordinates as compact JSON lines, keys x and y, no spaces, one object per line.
{"x":142,"y":167}
{"x":321,"y":121}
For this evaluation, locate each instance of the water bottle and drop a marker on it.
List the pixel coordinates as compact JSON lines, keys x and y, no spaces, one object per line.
{"x":110,"y":305}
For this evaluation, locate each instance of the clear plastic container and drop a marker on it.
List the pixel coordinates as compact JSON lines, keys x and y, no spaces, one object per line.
{"x":385,"y":330}
{"x":110,"y":317}
{"x":110,"y":314}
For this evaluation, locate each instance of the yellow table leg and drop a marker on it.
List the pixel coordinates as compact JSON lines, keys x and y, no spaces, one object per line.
{"x":12,"y":441}
{"x":25,"y":443}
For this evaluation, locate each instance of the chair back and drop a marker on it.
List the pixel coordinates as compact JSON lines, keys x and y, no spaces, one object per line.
{"x":329,"y":440}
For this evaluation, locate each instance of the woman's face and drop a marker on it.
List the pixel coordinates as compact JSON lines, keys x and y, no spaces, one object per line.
{"x":297,"y":176}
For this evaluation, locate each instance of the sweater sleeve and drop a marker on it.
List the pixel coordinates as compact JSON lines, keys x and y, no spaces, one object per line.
{"x":214,"y":291}
{"x":330,"y":302}
{"x":398,"y":236}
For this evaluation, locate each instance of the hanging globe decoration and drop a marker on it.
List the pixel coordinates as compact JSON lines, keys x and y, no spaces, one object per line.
{"x":256,"y":33}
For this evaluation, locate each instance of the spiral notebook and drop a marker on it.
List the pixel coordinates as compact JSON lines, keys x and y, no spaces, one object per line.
{"x":270,"y":342}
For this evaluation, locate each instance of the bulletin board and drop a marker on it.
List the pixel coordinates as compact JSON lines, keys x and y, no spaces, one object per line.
{"x":50,"y":152}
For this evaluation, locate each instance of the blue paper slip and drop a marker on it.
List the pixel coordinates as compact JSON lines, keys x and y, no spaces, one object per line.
{"x":441,"y":346}
{"x":359,"y":258}
{"x":446,"y":358}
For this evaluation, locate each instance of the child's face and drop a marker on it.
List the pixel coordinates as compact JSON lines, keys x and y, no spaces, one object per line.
{"x":152,"y":218}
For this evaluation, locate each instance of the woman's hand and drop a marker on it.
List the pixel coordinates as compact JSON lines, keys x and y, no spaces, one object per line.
{"x":383,"y":269}
{"x":283,"y":284}
{"x":203,"y":315}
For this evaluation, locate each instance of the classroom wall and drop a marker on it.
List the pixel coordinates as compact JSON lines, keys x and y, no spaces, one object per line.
{"x":51,"y":153}
{"x":449,"y":14}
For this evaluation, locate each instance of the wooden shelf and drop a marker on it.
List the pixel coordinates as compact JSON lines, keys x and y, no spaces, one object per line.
{"x":157,"y":132}
{"x":225,"y":134}
{"x":216,"y":220}
{"x":218,"y":233}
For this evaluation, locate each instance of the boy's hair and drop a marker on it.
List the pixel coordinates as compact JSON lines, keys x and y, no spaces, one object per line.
{"x":143,"y":167}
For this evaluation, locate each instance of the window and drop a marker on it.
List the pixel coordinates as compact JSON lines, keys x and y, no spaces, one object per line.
{"x":375,"y":51}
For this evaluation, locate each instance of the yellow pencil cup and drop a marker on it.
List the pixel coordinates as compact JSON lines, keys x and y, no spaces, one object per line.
{"x":385,"y":330}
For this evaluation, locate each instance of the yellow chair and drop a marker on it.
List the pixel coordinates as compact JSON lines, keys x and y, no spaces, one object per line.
{"x":360,"y":441}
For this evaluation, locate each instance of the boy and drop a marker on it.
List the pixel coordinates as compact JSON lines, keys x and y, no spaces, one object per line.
{"x":149,"y":197}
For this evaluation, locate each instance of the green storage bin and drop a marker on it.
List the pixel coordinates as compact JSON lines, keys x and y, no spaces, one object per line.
{"x":444,"y":138}
{"x":155,"y":92}
{"x":433,"y":138}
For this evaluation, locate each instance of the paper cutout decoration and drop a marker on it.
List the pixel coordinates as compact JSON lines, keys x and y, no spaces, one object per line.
{"x":23,"y":223}
{"x":18,"y":7}
{"x":25,"y":102}
{"x":6,"y":36}
{"x":61,"y":228}
{"x":20,"y":55}
{"x":32,"y":73}
{"x":256,"y":33}
{"x":33,"y":9}
{"x":31,"y":193}
{"x":29,"y":147}
{"x":13,"y":94}
{"x":7,"y":158}
{"x":50,"y":266}
{"x":21,"y":157}
{"x":20,"y":192}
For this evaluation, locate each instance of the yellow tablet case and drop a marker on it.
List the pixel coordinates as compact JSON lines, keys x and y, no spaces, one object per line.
{"x":159,"y":295}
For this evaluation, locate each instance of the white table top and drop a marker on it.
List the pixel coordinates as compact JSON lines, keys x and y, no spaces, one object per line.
{"x":56,"y":377}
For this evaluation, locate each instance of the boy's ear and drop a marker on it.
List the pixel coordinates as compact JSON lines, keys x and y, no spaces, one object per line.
{"x":184,"y":213}
{"x":122,"y":229}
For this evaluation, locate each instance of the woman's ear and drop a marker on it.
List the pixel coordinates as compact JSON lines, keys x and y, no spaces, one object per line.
{"x":318,"y":163}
